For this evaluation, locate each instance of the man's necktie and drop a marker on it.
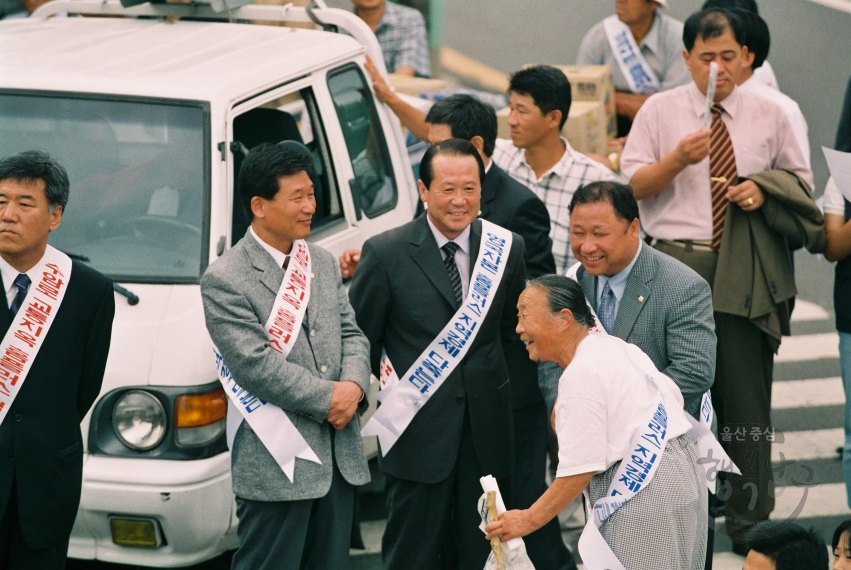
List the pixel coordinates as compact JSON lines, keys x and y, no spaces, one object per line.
{"x":606,"y":310}
{"x":452,"y":269}
{"x":286,"y":262}
{"x":22,"y":282}
{"x":722,"y":173}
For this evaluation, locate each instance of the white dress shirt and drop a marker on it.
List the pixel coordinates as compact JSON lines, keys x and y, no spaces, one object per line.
{"x":792,"y":110}
{"x":762,"y":140}
{"x":462,"y":256}
{"x":9,"y":274}
{"x":279,"y":256}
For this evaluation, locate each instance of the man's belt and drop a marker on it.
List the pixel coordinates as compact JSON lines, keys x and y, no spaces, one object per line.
{"x":686,"y":244}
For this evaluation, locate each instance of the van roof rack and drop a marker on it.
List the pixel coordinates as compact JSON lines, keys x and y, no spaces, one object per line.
{"x":317,"y":13}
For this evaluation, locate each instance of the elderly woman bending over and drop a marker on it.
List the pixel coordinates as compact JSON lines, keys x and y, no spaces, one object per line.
{"x":622,"y":434}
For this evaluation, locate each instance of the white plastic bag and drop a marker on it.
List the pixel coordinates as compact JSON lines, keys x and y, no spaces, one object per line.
{"x":513,"y":551}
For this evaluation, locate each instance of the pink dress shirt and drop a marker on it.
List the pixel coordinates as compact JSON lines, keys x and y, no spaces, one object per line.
{"x":762,"y":140}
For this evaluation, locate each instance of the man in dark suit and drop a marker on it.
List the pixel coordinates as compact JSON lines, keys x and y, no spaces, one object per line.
{"x":41,"y":448}
{"x":406,"y":291}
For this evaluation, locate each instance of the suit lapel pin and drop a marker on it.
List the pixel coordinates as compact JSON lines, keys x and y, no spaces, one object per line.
{"x":480,"y":213}
{"x":312,"y":276}
{"x":641,"y":298}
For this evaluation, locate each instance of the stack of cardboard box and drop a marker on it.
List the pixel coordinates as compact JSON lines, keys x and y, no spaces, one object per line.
{"x":592,"y":122}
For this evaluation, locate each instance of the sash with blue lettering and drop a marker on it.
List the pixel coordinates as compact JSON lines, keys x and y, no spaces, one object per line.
{"x":401,"y":399}
{"x":272,"y":424}
{"x":638,"y":73}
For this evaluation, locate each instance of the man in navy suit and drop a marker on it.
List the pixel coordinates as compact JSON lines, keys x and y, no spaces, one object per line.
{"x":41,"y":447}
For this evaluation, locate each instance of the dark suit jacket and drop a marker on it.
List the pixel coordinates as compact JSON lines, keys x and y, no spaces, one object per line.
{"x":510,"y":204}
{"x":402,"y":299}
{"x":666,"y":311}
{"x":41,"y":448}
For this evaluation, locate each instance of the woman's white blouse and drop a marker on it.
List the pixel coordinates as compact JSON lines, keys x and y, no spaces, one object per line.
{"x":604,"y":398}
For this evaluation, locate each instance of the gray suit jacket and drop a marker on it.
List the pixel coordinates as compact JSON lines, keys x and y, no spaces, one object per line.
{"x":238,"y":291}
{"x":666,"y":311}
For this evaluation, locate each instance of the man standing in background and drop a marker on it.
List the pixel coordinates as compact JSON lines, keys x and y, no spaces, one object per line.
{"x":643,"y":47}
{"x":401,"y":33}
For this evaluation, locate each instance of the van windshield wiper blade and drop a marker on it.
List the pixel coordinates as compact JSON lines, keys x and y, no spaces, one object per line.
{"x":132,"y":298}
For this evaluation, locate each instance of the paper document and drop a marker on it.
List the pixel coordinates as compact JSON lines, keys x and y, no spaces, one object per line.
{"x":840,"y":168}
{"x":710,"y":94}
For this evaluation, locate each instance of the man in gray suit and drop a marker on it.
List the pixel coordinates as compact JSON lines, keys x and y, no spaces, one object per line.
{"x":300,"y":521}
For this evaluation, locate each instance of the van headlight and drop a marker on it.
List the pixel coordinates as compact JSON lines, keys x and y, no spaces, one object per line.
{"x":139,"y":420}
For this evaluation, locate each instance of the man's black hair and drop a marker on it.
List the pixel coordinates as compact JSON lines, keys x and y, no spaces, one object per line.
{"x":619,"y":195}
{"x":712,"y":23}
{"x":264,"y":166}
{"x":449,"y":147}
{"x":467,"y":117}
{"x":745,"y":5}
{"x":30,"y":166}
{"x":789,"y":545}
{"x":844,"y":526}
{"x":547,"y":86}
{"x":757,"y":37}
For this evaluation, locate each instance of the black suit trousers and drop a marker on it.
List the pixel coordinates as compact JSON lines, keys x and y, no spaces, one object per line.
{"x":433,"y":526}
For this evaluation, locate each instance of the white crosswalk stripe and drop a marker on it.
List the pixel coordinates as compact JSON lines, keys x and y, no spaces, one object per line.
{"x":808,"y":347}
{"x":807,"y":393}
{"x":808,"y":444}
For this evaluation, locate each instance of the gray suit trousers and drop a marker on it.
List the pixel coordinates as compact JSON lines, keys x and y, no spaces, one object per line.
{"x":311,"y":534}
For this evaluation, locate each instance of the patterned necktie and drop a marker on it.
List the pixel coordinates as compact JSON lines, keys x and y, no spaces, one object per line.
{"x":286,"y":263}
{"x":22,"y":282}
{"x":606,"y":310}
{"x":452,"y":269}
{"x":722,"y":173}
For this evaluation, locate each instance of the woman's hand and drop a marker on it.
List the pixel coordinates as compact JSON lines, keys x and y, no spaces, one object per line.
{"x":511,"y":524}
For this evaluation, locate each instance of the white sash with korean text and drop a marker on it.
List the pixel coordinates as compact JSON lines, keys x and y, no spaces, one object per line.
{"x":272,"y":424}
{"x":713,"y":458}
{"x":402,"y":399}
{"x":638,"y":73}
{"x":30,"y":325}
{"x":635,"y":472}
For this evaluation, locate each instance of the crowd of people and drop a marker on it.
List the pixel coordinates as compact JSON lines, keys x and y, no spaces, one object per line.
{"x":541,"y":303}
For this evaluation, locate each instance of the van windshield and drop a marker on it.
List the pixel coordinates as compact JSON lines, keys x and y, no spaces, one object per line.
{"x":138,"y":180}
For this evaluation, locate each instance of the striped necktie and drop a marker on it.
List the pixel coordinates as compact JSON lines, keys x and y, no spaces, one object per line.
{"x":722,"y":173}
{"x":452,"y":270}
{"x":22,"y":282}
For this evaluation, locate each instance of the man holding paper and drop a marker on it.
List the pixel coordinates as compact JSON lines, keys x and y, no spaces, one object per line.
{"x":437,"y":300}
{"x":295,"y":366}
{"x":729,"y":201}
{"x":642,"y":46}
{"x":56,"y":321}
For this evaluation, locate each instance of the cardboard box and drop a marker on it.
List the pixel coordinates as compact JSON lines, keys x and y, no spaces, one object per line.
{"x":416,"y":86}
{"x":594,"y":83}
{"x":586,"y":127}
{"x":502,"y":129}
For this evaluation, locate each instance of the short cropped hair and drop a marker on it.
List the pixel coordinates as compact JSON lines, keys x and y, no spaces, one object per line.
{"x":712,"y":23}
{"x":449,"y":147}
{"x":844,"y":526}
{"x":564,"y":293}
{"x":31,"y":166}
{"x":757,"y":37}
{"x":547,"y":86}
{"x":263,"y":168}
{"x":745,"y":5}
{"x":789,"y":545}
{"x":467,"y":117}
{"x":620,"y":196}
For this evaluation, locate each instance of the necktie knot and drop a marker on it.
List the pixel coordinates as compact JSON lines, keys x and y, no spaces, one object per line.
{"x":286,"y":262}
{"x":717,"y":109}
{"x":449,"y":248}
{"x":22,"y":282}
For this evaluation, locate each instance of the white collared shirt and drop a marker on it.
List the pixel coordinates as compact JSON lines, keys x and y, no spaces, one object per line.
{"x":279,"y":256}
{"x":789,"y":106}
{"x":462,"y":256}
{"x":617,"y":282}
{"x":9,"y":274}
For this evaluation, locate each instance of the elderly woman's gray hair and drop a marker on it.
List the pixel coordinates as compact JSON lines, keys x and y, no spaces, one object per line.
{"x":565,"y":293}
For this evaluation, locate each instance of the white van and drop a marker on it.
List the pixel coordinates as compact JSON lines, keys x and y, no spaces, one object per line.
{"x":151,"y":115}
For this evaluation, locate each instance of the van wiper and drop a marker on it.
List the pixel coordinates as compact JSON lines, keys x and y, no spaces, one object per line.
{"x":132,"y":298}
